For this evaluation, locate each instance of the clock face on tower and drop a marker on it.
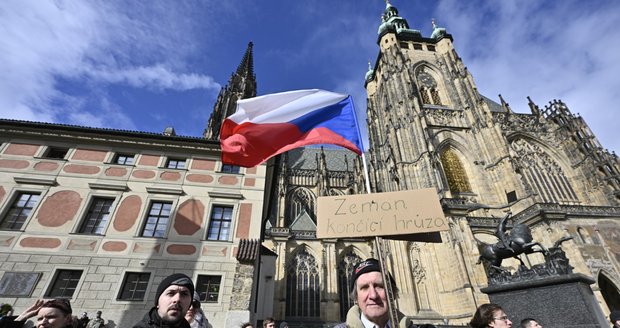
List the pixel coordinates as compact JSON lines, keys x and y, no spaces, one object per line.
{"x":426,"y":80}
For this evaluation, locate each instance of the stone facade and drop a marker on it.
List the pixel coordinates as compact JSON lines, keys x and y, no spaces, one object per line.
{"x":101,"y":216}
{"x":430,"y":128}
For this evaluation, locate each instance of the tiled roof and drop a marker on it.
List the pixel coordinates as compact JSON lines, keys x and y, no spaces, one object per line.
{"x":248,"y":250}
{"x":81,"y":128}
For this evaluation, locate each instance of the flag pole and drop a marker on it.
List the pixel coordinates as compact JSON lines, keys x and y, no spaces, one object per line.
{"x":379,"y":245}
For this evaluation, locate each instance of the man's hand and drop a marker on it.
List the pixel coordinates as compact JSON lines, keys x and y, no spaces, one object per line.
{"x":31,"y":311}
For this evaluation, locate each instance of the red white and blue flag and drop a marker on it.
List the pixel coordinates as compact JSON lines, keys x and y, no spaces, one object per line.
{"x":268,"y":125}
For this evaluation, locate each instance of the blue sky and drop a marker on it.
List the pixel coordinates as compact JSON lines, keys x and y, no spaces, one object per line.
{"x":145,"y":65}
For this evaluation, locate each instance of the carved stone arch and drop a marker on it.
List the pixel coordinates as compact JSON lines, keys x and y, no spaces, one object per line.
{"x":430,"y":82}
{"x":424,"y":266}
{"x":297,"y":200}
{"x":543,"y":171}
{"x":336,"y":192}
{"x":555,"y":152}
{"x":303,"y":288}
{"x":610,"y":288}
{"x":346,"y":261}
{"x":457,"y":172}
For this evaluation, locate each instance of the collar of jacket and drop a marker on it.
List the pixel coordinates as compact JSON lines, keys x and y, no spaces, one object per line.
{"x":155,"y":320}
{"x":354,"y":321}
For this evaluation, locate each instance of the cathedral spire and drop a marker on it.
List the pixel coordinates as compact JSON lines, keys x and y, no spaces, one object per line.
{"x":505,"y":104}
{"x":391,"y":22}
{"x":246,"y":67}
{"x":533,"y":107}
{"x":241,"y":85}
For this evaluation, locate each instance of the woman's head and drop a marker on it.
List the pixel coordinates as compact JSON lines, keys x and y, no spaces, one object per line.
{"x":54,"y":313}
{"x":490,"y":315}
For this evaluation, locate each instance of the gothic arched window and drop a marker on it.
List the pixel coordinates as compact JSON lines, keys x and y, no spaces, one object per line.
{"x":345,"y":268}
{"x":428,"y":89}
{"x":454,"y":171}
{"x":302,"y":286}
{"x":299,"y":199}
{"x":542,"y":175}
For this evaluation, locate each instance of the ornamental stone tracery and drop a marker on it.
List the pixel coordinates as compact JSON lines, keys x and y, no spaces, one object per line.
{"x":542,"y":174}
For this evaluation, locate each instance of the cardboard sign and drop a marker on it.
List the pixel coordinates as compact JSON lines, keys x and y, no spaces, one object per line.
{"x":382,"y":214}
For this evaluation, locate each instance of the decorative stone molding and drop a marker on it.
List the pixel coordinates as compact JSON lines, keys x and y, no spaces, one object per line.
{"x":214,"y":194}
{"x":108,"y":186}
{"x":163,"y":189}
{"x":43,"y":181}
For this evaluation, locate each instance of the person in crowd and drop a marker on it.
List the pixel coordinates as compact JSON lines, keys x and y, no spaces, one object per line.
{"x":246,"y":325}
{"x":614,"y":317}
{"x":530,"y":323}
{"x":195,"y":316}
{"x":269,"y":323}
{"x":368,"y":291}
{"x":97,"y":322}
{"x":6,"y":310}
{"x":283,"y":324}
{"x":172,"y":301}
{"x":490,"y":315}
{"x":55,"y":313}
{"x":82,"y":321}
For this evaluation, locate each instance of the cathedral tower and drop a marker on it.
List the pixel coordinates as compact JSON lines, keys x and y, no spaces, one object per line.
{"x":430,"y":127}
{"x":241,"y":85}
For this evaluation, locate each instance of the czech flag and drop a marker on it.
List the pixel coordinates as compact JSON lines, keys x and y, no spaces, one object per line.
{"x":268,"y":125}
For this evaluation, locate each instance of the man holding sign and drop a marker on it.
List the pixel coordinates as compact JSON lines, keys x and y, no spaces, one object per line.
{"x":368,"y":290}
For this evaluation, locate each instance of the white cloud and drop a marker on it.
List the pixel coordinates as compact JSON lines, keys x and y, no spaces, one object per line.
{"x":547,"y":50}
{"x":91,"y":43}
{"x":156,"y":76}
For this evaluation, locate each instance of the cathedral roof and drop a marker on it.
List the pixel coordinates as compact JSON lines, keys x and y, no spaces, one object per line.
{"x":493,"y":106}
{"x":438,"y":32}
{"x":305,"y":158}
{"x":391,"y":22}
{"x":303,"y":222}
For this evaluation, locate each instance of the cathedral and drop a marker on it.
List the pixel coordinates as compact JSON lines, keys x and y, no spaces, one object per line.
{"x":429,"y":127}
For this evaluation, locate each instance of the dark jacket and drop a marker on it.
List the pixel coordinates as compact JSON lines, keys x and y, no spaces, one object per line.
{"x":354,"y":320}
{"x":152,"y":320}
{"x":10,"y":322}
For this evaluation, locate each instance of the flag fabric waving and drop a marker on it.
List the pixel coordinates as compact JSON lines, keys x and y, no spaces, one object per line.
{"x":268,"y":125}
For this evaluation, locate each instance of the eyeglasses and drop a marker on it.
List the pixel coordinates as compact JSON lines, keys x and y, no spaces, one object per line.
{"x":503,"y":318}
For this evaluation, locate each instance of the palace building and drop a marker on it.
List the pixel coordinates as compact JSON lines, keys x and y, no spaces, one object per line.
{"x":101,"y":216}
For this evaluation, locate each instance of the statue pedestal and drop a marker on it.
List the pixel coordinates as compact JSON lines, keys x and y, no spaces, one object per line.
{"x":554,"y":301}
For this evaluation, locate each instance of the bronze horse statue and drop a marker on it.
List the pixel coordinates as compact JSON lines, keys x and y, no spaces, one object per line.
{"x":518,"y":241}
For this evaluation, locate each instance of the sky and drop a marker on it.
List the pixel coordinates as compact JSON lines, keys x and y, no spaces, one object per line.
{"x":146,"y":65}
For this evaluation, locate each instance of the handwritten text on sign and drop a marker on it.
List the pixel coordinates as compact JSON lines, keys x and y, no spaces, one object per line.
{"x":382,"y":214}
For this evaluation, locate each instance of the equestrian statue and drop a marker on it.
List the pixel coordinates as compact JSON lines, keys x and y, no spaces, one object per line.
{"x":511,"y":244}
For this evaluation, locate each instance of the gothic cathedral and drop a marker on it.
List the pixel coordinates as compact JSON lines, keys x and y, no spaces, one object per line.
{"x":429,"y":127}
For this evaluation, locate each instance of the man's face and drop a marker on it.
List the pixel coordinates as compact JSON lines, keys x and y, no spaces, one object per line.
{"x":270,"y":325}
{"x":534,"y":324}
{"x":500,"y":320}
{"x":173,"y":303}
{"x":617,"y":324}
{"x":371,"y":296}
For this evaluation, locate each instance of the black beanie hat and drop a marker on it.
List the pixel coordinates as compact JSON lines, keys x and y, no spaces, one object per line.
{"x":369,"y":265}
{"x":178,"y":279}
